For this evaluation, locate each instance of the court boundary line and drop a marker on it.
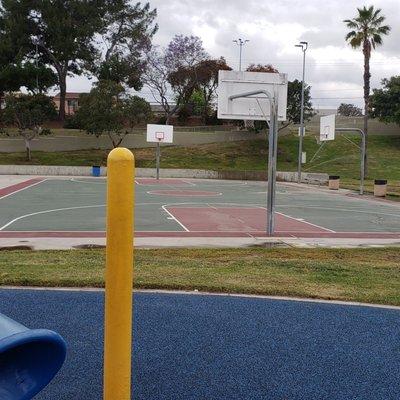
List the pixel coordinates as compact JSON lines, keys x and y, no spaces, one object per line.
{"x":78,"y":180}
{"x":47,"y":212}
{"x":342,"y":209}
{"x":305,"y":222}
{"x":37,"y":182}
{"x":212,"y":194}
{"x":254,"y":206}
{"x":164,"y":207}
{"x":185,"y":181}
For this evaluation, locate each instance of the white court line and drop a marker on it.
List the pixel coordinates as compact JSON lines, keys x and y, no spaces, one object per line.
{"x":154,"y":193}
{"x":196,"y":204}
{"x":342,"y":209}
{"x":189,"y":182}
{"x":164,"y":207}
{"x":62,"y":209}
{"x":304,"y":222}
{"x":20,"y":190}
{"x":164,"y":184}
{"x":256,"y":206}
{"x":46,"y":212}
{"x":88,"y":181}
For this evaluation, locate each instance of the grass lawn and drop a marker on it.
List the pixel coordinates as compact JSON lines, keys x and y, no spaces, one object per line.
{"x":366,"y":275}
{"x":337,"y":158}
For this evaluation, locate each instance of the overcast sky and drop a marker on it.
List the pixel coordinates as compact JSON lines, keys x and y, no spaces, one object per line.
{"x":273,"y":27}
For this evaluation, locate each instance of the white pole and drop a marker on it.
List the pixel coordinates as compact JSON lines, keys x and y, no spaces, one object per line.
{"x":303,"y":46}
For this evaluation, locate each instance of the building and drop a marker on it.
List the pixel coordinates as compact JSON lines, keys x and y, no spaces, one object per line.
{"x":321,"y":111}
{"x":71,"y":102}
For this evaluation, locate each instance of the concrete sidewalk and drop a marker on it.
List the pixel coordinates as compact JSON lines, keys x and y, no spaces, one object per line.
{"x":204,"y":242}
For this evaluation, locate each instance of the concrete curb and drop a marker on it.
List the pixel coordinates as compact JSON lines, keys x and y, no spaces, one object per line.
{"x":217,"y":294}
{"x":55,"y":170}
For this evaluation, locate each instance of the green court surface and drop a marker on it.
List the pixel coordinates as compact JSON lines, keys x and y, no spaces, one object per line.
{"x":75,"y":207}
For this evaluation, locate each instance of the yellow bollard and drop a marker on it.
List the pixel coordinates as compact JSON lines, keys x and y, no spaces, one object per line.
{"x":119,"y":275}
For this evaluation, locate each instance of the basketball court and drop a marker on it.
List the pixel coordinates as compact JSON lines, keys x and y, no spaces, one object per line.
{"x":178,"y":208}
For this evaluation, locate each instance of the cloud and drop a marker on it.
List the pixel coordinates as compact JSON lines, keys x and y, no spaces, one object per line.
{"x":274,"y":27}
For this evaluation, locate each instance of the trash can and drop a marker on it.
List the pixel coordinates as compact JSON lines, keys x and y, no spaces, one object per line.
{"x":380,"y":187}
{"x":334,"y":182}
{"x":96,"y":170}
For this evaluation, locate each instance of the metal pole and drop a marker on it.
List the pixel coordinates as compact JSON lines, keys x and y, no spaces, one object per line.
{"x":303,"y":46}
{"x":272,"y":151}
{"x":240,"y":42}
{"x":240,"y":55}
{"x":158,"y":151}
{"x":362,"y":148}
{"x":362,"y":175}
{"x":272,"y":154}
{"x":270,"y":212}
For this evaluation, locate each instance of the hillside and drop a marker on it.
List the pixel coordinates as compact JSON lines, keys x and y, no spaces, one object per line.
{"x":340,"y":157}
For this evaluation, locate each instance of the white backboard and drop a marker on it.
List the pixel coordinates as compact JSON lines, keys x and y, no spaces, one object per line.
{"x":327,"y":128}
{"x":256,"y":107}
{"x":160,"y":133}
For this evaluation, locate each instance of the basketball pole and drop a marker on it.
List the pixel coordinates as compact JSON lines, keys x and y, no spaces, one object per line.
{"x":272,"y":150}
{"x":119,"y":275}
{"x":362,"y":149}
{"x":158,"y":155}
{"x":272,"y":161}
{"x":304,"y":46}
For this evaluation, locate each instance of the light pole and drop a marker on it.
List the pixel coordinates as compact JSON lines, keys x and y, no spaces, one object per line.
{"x":304,"y":46}
{"x":240,"y":42}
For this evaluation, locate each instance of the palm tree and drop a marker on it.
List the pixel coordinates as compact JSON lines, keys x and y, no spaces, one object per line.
{"x":367,"y":30}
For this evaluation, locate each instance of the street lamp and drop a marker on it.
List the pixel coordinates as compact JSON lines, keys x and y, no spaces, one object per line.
{"x":303,"y":46}
{"x":240,"y":42}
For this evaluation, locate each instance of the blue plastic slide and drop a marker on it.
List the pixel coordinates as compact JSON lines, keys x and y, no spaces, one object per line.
{"x":29,"y":359}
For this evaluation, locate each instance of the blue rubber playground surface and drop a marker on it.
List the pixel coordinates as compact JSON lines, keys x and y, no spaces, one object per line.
{"x":221,"y":347}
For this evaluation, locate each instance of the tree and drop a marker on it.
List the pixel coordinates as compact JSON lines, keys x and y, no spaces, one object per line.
{"x":101,"y":111}
{"x":173,"y":71}
{"x":62,"y":30}
{"x":36,"y":79}
{"x":28,"y":113}
{"x":293,"y":110}
{"x":137,"y":111}
{"x":268,"y":68}
{"x":366,"y":32}
{"x":207,"y":81}
{"x":107,"y":110}
{"x":194,"y":107}
{"x":385,"y":102}
{"x":184,"y":52}
{"x":15,"y":70}
{"x":126,"y":35}
{"x":294,"y":103}
{"x":349,"y":110}
{"x":261,"y":68}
